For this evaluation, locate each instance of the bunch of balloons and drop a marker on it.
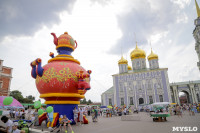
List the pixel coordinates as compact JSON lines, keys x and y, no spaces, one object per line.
{"x":37,"y":105}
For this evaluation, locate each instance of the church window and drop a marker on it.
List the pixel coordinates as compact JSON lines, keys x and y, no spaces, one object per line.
{"x":129,"y":84}
{"x":159,"y":84}
{"x":150,"y":99}
{"x":122,"y":101}
{"x":141,"y":100}
{"x":131,"y":100}
{"x":121,"y":88}
{"x":149,"y":85}
{"x":110,"y":101}
{"x":139,"y":86}
{"x":161,"y":98}
{"x":198,"y":98}
{"x":138,"y":64}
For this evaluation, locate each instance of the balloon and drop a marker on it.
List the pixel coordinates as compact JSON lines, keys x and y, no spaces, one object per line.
{"x":7,"y":100}
{"x":37,"y":104}
{"x":49,"y":109}
{"x":40,"y":111}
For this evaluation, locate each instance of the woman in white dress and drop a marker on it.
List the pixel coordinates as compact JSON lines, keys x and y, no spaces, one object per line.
{"x":81,"y":115}
{"x":75,"y":111}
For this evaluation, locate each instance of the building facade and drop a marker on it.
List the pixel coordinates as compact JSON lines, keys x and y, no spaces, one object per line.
{"x":196,"y":34}
{"x":138,"y":85}
{"x":5,"y":79}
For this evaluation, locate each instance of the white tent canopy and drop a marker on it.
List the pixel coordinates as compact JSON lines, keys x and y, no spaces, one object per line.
{"x":161,"y":103}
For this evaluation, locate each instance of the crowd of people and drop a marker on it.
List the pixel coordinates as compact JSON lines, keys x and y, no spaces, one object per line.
{"x":95,"y":112}
{"x":180,"y":109}
{"x":32,"y":116}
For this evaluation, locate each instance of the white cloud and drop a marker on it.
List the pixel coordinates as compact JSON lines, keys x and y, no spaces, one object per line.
{"x":98,"y":28}
{"x":181,"y":3}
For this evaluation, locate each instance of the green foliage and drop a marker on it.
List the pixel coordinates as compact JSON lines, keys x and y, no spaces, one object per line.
{"x":18,"y":96}
{"x":89,"y":101}
{"x":84,"y":101}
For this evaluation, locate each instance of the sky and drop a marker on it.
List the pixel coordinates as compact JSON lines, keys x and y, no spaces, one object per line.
{"x":104,"y":30}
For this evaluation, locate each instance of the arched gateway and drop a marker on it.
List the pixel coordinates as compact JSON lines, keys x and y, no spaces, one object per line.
{"x":185,"y":92}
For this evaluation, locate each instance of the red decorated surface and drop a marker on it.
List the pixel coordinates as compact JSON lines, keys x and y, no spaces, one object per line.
{"x":66,"y":39}
{"x":60,"y":77}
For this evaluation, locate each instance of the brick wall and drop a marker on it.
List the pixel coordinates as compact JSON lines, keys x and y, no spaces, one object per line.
{"x":5,"y":78}
{"x":6,"y":70}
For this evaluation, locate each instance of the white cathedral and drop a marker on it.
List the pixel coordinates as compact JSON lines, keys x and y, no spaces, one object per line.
{"x":138,"y":85}
{"x":142,"y":85}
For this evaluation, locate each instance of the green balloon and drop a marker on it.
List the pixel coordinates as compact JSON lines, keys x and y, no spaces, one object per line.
{"x":49,"y":109}
{"x":7,"y":100}
{"x":37,"y":104}
{"x":40,"y":111}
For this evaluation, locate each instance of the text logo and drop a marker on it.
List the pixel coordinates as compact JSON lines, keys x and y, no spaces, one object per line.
{"x":186,"y":129}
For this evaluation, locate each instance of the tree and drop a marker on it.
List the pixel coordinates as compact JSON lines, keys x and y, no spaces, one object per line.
{"x":84,"y":101}
{"x":18,"y":96}
{"x":89,"y":101}
{"x":30,"y":97}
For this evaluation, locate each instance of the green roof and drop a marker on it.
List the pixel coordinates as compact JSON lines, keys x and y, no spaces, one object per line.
{"x":110,"y":90}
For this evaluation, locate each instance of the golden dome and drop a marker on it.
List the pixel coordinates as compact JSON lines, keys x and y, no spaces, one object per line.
{"x":129,"y":68}
{"x":137,"y":53}
{"x":122,"y":61}
{"x":152,"y":56}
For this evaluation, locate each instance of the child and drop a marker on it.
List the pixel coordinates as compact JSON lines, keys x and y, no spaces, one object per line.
{"x":17,"y":115}
{"x":59,"y":125}
{"x":33,"y":120}
{"x":15,"y":130}
{"x":67,"y":122}
{"x":50,"y":119}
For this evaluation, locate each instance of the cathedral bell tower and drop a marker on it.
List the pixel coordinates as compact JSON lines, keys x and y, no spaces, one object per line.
{"x":196,"y":33}
{"x":123,"y":65}
{"x":153,"y":60}
{"x":138,"y":58}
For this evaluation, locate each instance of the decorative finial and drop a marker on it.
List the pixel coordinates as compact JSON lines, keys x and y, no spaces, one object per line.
{"x":151,"y":47}
{"x":136,"y":45}
{"x":197,"y":8}
{"x":135,"y":40}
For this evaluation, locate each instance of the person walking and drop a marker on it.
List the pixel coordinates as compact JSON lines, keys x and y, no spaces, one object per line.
{"x":125,"y":110}
{"x":75,"y":111}
{"x":36,"y":117}
{"x":81,"y":111}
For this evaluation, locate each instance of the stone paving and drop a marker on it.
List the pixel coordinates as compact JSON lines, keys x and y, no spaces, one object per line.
{"x":144,"y":125}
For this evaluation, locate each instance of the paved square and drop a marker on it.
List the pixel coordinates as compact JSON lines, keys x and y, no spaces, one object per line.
{"x":144,"y":125}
